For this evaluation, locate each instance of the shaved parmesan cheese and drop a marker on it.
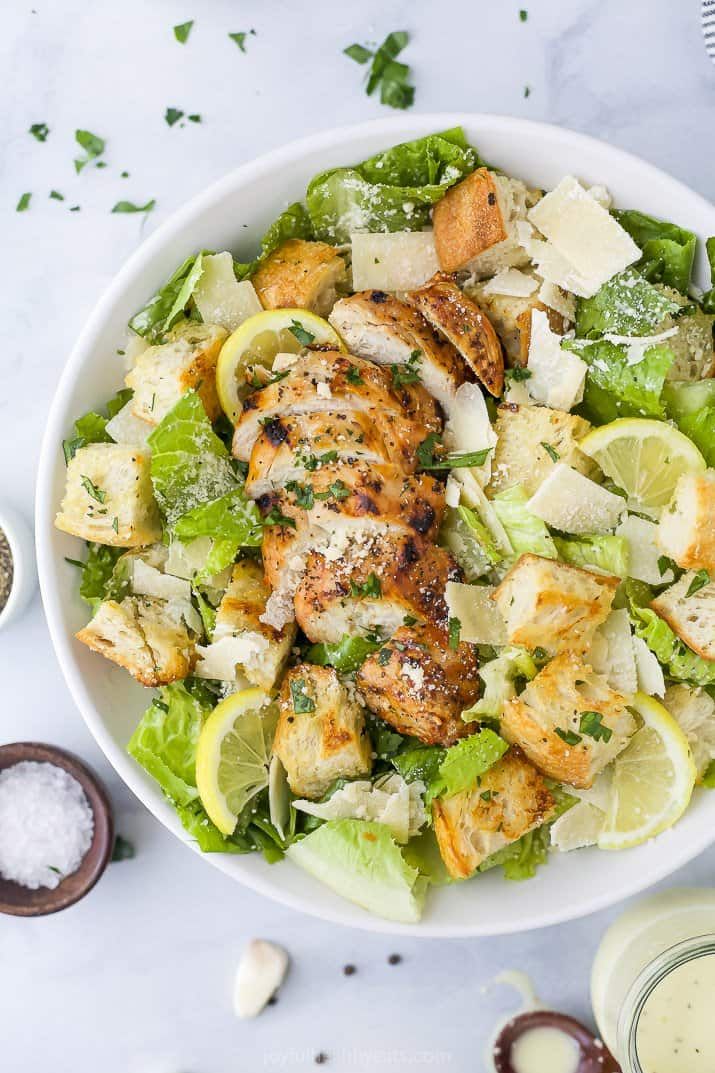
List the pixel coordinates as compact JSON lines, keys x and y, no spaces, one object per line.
{"x":580,"y":826}
{"x":133,"y":348}
{"x":469,"y":428}
{"x":452,"y":492}
{"x":584,"y":234}
{"x":393,"y":262}
{"x":650,"y":674}
{"x":472,"y":495}
{"x":281,"y":362}
{"x":390,"y":800}
{"x":480,"y":620}
{"x":555,"y":298}
{"x":557,"y":376}
{"x":525,"y":233}
{"x":126,"y":427}
{"x":511,"y":282}
{"x":188,"y":560}
{"x":148,"y":581}
{"x":643,"y":552}
{"x":567,"y":500}
{"x":554,"y":267}
{"x":221,"y":659}
{"x":637,"y":345}
{"x":517,"y":393}
{"x":694,"y":711}
{"x":220,"y":298}
{"x":612,"y":653}
{"x":323,"y":391}
{"x":601,"y":195}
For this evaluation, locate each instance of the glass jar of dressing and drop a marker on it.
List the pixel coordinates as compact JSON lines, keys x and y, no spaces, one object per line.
{"x":653,"y":983}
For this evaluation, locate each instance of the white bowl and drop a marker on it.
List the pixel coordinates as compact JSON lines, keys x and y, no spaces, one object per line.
{"x":111,"y":703}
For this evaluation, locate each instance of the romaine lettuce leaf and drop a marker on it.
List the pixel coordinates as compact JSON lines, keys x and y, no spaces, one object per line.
{"x":616,"y":389}
{"x":362,"y":862}
{"x":668,"y":250}
{"x":99,"y":580}
{"x":463,"y":763}
{"x":391,"y":191}
{"x":293,"y":222}
{"x":419,"y":761}
{"x":170,"y":302}
{"x":464,"y":533}
{"x":499,"y":676}
{"x":626,"y":305}
{"x":346,"y":655}
{"x":526,"y":532}
{"x":679,"y":661}
{"x":521,"y":858}
{"x":708,"y":299}
{"x":607,"y":552}
{"x":691,"y":404}
{"x":92,"y":426}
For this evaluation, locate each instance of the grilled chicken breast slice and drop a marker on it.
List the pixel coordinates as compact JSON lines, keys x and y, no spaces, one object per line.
{"x":420,"y":686}
{"x":386,"y":583}
{"x":328,"y":380}
{"x":465,"y":325}
{"x":379,"y":326}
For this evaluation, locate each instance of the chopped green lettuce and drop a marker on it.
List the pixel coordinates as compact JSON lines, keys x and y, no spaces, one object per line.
{"x":293,"y":222}
{"x":463,"y":763}
{"x":708,"y":779}
{"x":691,"y":405}
{"x":171,"y":301}
{"x":668,"y":250}
{"x":607,"y":552}
{"x":614,"y":388}
{"x":386,"y":742}
{"x":626,"y":305}
{"x":419,"y":761}
{"x":708,"y":299}
{"x":346,"y":655}
{"x":391,"y":191}
{"x":101,"y":579}
{"x":92,"y":426}
{"x":679,"y":661}
{"x":422,"y":852}
{"x":520,"y":859}
{"x":464,"y":533}
{"x":362,"y":862}
{"x":500,"y":676}
{"x":526,"y":532}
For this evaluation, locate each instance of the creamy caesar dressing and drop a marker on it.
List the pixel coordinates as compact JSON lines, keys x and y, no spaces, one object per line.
{"x":523,"y":985}
{"x":676,"y":1028}
{"x":545,"y":1048}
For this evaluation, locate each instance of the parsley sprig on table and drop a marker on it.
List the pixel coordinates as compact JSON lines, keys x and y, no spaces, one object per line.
{"x":385,"y":71}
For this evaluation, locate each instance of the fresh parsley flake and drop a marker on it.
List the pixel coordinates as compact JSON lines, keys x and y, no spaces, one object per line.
{"x":92,"y":490}
{"x":353,"y":375}
{"x":407,"y":373}
{"x":123,"y":849}
{"x":527,"y":91}
{"x":409,"y":620}
{"x":665,"y":564}
{"x":173,"y":115}
{"x":115,"y":524}
{"x":75,"y":562}
{"x":124,"y":175}
{"x":304,"y":337}
{"x":337,"y":490}
{"x":358,"y":53}
{"x":523,"y":14}
{"x":371,"y":587}
{"x":129,"y":206}
{"x":591,"y":724}
{"x":700,"y":580}
{"x":182,"y":31}
{"x":274,"y":517}
{"x":383,"y":656}
{"x":385,"y":72}
{"x":487,"y":795}
{"x":240,"y":38}
{"x":569,"y":736}
{"x":551,"y":451}
{"x":304,"y":495}
{"x":454,"y":629}
{"x":75,"y":208}
{"x":519,"y":372}
{"x":313,"y":462}
{"x":56,"y":195}
{"x":428,"y":457}
{"x":24,"y":203}
{"x":194,"y":117}
{"x":93,"y":146}
{"x":302,"y":703}
{"x":39,"y":131}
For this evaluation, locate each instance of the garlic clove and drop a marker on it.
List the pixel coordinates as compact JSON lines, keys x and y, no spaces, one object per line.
{"x":260,"y":973}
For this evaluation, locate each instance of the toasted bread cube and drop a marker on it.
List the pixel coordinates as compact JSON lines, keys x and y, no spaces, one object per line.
{"x":691,"y":617}
{"x":511,"y":317}
{"x":509,"y":800}
{"x":694,"y":712}
{"x":241,"y":643}
{"x":568,"y":721}
{"x":693,"y":342}
{"x":686,"y":531}
{"x":520,"y":456}
{"x":109,"y":497}
{"x":475,"y":224}
{"x":146,"y":636}
{"x":321,"y":734}
{"x":162,"y":374}
{"x":552,"y":605}
{"x":300,"y":275}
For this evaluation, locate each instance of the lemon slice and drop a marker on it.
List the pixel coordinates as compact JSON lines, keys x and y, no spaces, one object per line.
{"x":643,"y":457}
{"x":258,"y":340}
{"x":233,"y":755}
{"x":653,"y":779}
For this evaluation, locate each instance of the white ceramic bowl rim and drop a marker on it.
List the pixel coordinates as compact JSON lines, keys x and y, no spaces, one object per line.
{"x":541,"y":905}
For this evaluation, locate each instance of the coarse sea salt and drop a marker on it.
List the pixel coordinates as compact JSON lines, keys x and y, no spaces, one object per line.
{"x":46,"y":824}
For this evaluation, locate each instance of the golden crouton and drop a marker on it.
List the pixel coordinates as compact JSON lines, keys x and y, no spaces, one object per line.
{"x":691,"y":617}
{"x":261,"y":652}
{"x":511,"y":317}
{"x":109,"y":497}
{"x":692,"y":344}
{"x":568,"y":721}
{"x":686,"y":532}
{"x":552,"y":605}
{"x":146,"y":636}
{"x":509,"y":800}
{"x":475,"y":224}
{"x":300,"y":275}
{"x":162,"y":374}
{"x":467,"y":328}
{"x":321,"y":734}
{"x":520,"y":456}
{"x":420,"y":686}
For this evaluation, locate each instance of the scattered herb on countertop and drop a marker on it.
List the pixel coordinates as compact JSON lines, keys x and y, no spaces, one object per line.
{"x":24,"y":203}
{"x":182,"y":31}
{"x":173,"y":115}
{"x":129,"y":206}
{"x":385,"y":71}
{"x":123,"y":849}
{"x":523,"y":15}
{"x":93,"y":146}
{"x":56,"y":195}
{"x":39,"y":131}
{"x":240,"y":38}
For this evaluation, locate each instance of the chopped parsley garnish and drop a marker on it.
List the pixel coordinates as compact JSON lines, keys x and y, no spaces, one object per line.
{"x":383,"y":656}
{"x":353,"y":375}
{"x":93,"y":146}
{"x":304,"y":495}
{"x":24,"y":203}
{"x":182,"y":31}
{"x":569,"y":736}
{"x":591,"y":724}
{"x":665,"y":564}
{"x":429,"y":459}
{"x":527,"y":91}
{"x":519,"y":372}
{"x":701,"y":579}
{"x":392,"y":77}
{"x":523,"y":14}
{"x":407,"y":373}
{"x":337,"y":490}
{"x":409,"y":620}
{"x":302,"y":703}
{"x":454,"y":629}
{"x":123,"y":849}
{"x":487,"y":795}
{"x":194,"y":117}
{"x":173,"y":115}
{"x":313,"y":462}
{"x":92,"y":490}
{"x":129,"y":206}
{"x":39,"y":131}
{"x":75,"y":562}
{"x":115,"y":524}
{"x":370,"y":587}
{"x":56,"y":195}
{"x":274,"y":517}
{"x":304,"y":337}
{"x":551,"y":451}
{"x":124,"y":175}
{"x":75,"y":208}
{"x":240,"y":38}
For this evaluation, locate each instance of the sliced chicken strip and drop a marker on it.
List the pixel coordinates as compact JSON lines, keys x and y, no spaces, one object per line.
{"x":420,"y":686}
{"x":396,"y":581}
{"x":328,"y":380}
{"x":379,"y":326}
{"x":292,"y":449}
{"x":465,"y":325}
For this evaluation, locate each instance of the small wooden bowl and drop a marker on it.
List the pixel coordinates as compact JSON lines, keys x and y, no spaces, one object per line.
{"x":21,"y":901}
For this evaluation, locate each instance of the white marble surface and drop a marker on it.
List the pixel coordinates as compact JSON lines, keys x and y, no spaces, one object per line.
{"x":136,"y":979}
